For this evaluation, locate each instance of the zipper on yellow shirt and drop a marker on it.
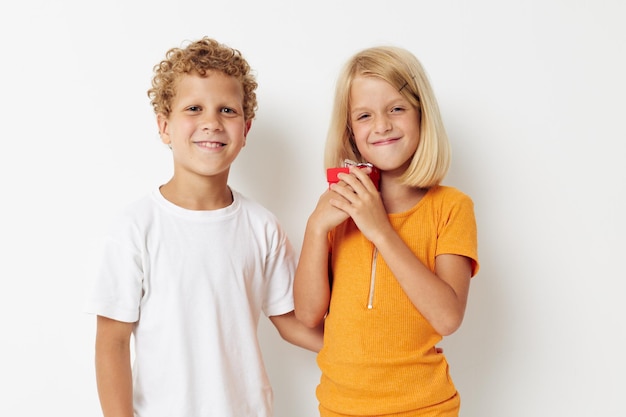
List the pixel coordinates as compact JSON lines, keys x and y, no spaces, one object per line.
{"x":370,"y":301}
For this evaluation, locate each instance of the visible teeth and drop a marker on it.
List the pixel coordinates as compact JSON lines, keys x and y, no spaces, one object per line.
{"x":211,"y":144}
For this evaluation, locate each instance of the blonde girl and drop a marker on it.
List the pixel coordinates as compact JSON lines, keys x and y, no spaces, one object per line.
{"x":387,"y":271}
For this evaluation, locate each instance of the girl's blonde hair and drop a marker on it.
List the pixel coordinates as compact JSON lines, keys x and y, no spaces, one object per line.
{"x":402,"y":70}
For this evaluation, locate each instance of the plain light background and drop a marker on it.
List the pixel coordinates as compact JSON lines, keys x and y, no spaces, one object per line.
{"x":532,"y":94}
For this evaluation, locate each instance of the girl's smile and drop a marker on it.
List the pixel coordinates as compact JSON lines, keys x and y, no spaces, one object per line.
{"x":385,"y":141}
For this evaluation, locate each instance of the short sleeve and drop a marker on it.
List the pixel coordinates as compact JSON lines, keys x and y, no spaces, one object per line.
{"x":279,"y":272}
{"x":457,"y":229}
{"x":117,"y":288}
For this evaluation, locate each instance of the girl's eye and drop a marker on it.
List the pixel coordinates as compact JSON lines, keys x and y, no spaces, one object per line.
{"x":362,"y":116}
{"x":397,"y":109}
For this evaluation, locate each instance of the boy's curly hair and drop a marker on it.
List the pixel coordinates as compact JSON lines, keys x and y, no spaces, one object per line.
{"x":201,"y":56}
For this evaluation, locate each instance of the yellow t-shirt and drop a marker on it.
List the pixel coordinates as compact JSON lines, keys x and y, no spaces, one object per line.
{"x":381,"y":359}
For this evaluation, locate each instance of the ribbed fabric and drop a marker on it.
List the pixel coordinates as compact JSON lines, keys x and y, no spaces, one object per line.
{"x":382,"y":360}
{"x":448,"y":408}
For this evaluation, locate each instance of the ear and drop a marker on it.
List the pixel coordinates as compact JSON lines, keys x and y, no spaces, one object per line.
{"x":163,"y":125}
{"x":245,"y":133}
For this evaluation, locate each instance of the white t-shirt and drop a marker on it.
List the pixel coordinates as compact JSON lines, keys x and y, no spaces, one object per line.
{"x":195,"y":283}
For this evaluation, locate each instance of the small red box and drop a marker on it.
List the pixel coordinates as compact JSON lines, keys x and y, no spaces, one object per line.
{"x":331,"y":175}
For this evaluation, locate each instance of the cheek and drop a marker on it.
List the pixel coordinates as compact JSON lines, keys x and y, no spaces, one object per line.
{"x":180,"y":128}
{"x":360,"y":135}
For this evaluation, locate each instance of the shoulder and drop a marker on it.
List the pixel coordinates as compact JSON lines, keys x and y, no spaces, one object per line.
{"x":134,"y":215}
{"x":449,"y":195}
{"x":254,"y":209}
{"x":138,"y":208}
{"x":261,"y":222}
{"x":448,"y":202}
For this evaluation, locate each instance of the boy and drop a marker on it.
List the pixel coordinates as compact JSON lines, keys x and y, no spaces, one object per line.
{"x":188,"y":269}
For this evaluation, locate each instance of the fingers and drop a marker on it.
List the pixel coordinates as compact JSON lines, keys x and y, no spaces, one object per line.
{"x":326,"y":214}
{"x":357,"y":181}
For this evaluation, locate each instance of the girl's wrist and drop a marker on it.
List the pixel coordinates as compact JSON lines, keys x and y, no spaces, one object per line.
{"x":316,"y":228}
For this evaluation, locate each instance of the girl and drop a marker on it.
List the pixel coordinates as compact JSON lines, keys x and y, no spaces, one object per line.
{"x":386,"y":271}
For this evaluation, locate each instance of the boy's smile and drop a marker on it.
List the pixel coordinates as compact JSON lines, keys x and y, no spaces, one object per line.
{"x":206,"y":128}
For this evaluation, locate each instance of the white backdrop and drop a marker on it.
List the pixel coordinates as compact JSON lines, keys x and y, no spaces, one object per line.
{"x":533,"y":96}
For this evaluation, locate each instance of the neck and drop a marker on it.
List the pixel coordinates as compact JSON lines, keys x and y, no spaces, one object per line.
{"x":398,"y":197}
{"x":208,"y":194}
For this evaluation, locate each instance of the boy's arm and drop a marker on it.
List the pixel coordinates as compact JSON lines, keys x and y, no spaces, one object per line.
{"x":113,"y":369}
{"x":294,"y":332}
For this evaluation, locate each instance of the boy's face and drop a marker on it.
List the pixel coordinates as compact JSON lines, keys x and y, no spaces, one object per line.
{"x":206,"y":128}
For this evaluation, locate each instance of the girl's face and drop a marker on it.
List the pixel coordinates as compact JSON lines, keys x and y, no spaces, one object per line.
{"x":206,"y":128}
{"x":385,"y":125}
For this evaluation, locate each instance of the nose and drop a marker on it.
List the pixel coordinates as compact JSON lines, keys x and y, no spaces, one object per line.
{"x":382,"y":124}
{"x":210,"y":122}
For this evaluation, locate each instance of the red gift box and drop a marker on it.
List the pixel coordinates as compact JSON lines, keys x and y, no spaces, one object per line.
{"x":331,"y":174}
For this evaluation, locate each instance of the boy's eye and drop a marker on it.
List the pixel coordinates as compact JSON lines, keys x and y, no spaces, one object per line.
{"x":193,"y":108}
{"x":227,"y":110}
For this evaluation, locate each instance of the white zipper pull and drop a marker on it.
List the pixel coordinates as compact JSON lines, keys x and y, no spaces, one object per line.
{"x":370,"y":301}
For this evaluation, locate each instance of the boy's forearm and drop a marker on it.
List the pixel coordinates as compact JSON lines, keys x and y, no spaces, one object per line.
{"x":113,"y":369}
{"x":296,"y":333}
{"x":114,"y":380}
{"x":310,"y":338}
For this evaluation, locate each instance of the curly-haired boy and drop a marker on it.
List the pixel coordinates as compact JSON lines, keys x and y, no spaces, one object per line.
{"x":188,"y":269}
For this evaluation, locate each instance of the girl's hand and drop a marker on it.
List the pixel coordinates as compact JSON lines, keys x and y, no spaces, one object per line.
{"x":326,"y":216}
{"x":361,"y":201}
